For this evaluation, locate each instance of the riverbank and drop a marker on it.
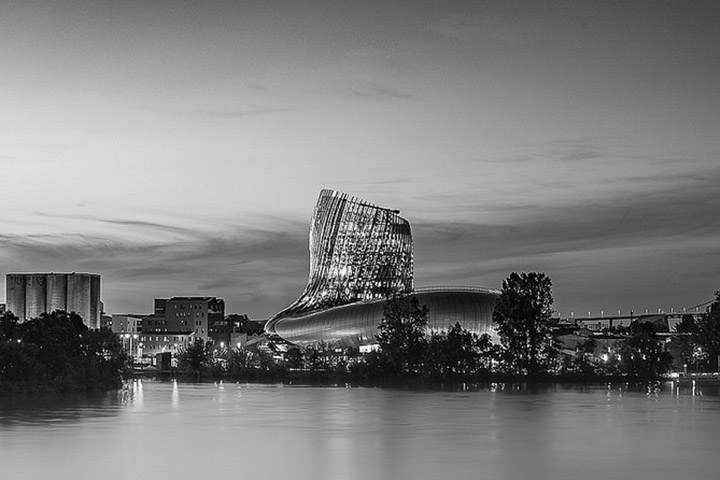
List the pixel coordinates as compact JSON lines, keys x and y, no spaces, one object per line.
{"x":21,"y":389}
{"x":696,"y":379}
{"x":304,"y":377}
{"x":333,"y":378}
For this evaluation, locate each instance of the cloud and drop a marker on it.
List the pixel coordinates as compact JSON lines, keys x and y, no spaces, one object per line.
{"x":659,"y":241}
{"x":662,"y":209}
{"x":383,"y":92}
{"x":222,"y":113}
{"x":584,"y":148}
{"x":507,"y":160}
{"x":582,"y":155}
{"x":258,"y":271}
{"x":657,"y":236}
{"x":568,"y":150}
{"x":148,"y":229}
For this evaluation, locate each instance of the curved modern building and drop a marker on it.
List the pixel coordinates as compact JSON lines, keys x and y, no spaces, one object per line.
{"x":360,"y":255}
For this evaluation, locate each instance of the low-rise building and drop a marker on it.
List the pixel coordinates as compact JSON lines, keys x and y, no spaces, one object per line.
{"x":125,"y":322}
{"x":178,"y":321}
{"x":150,"y":344}
{"x":244,"y":329}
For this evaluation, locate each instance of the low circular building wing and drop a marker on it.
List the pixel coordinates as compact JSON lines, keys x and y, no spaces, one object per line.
{"x":357,"y":324}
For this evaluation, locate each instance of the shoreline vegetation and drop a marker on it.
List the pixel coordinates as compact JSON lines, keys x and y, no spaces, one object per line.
{"x":22,"y":389}
{"x":530,"y":350}
{"x":305,"y":377}
{"x":57,"y":353}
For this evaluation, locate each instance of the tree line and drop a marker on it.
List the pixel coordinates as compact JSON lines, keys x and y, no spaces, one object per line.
{"x":57,"y":351}
{"x":529,"y":347}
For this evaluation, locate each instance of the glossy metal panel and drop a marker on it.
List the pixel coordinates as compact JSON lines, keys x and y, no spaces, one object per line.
{"x":356,"y":324}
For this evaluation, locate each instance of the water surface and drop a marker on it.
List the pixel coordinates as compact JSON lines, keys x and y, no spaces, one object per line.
{"x":254,"y":431}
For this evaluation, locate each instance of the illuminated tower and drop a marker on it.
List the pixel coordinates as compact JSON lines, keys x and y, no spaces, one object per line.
{"x":358,"y":251}
{"x":361,"y":254}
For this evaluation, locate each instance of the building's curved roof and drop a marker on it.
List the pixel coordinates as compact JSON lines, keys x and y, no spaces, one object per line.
{"x":356,"y":324}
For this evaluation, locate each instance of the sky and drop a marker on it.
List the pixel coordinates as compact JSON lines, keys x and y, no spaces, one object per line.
{"x":178,"y":147}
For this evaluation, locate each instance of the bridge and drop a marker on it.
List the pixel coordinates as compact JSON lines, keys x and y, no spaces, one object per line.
{"x":673,"y":317}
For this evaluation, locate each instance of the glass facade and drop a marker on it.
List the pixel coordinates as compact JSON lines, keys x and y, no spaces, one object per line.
{"x":358,"y":251}
{"x":361,"y":254}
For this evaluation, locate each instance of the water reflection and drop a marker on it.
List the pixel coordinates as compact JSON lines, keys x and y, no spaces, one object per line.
{"x":175,"y":398}
{"x":56,"y":410}
{"x":497,"y":431}
{"x":693,"y":388}
{"x":132,"y":393}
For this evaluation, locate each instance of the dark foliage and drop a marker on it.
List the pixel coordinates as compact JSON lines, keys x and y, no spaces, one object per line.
{"x":523,"y":318}
{"x":294,"y":358}
{"x":57,"y":350}
{"x":581,"y":363}
{"x":401,"y":336}
{"x":682,"y":343}
{"x":195,"y":360}
{"x":458,"y":354}
{"x":642,"y":356}
{"x":707,"y":335}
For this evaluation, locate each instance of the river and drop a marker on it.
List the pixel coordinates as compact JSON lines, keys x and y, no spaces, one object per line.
{"x":172,"y":430}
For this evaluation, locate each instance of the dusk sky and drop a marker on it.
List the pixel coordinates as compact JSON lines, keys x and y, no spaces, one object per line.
{"x":178,"y":147}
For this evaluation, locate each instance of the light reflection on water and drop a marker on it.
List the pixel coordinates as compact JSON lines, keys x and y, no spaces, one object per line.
{"x":188,"y":431}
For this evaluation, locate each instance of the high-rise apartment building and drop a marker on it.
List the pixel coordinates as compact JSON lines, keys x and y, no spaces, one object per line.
{"x":30,"y":294}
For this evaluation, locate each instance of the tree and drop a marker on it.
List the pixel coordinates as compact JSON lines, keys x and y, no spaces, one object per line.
{"x":239,"y":360}
{"x":103,"y":358}
{"x":57,"y":349}
{"x":581,"y":362}
{"x":682,"y":343}
{"x":294,"y":358}
{"x":253,"y":363}
{"x":707,"y":334}
{"x":59,"y":337}
{"x":456,"y":353}
{"x":401,"y":335}
{"x":523,"y":318}
{"x":488,"y":353}
{"x":317,"y":357}
{"x":462,"y":347}
{"x":642,"y":356}
{"x":436,"y":356}
{"x":19,"y":362}
{"x":195,"y":358}
{"x":9,"y":327}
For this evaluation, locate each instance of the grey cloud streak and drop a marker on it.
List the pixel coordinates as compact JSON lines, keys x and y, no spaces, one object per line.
{"x":144,"y":226}
{"x":380,"y":92}
{"x":223,"y":113}
{"x":659,"y":241}
{"x":256,"y":271}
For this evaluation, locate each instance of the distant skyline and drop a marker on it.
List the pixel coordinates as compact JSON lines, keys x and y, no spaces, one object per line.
{"x":177,"y":147}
